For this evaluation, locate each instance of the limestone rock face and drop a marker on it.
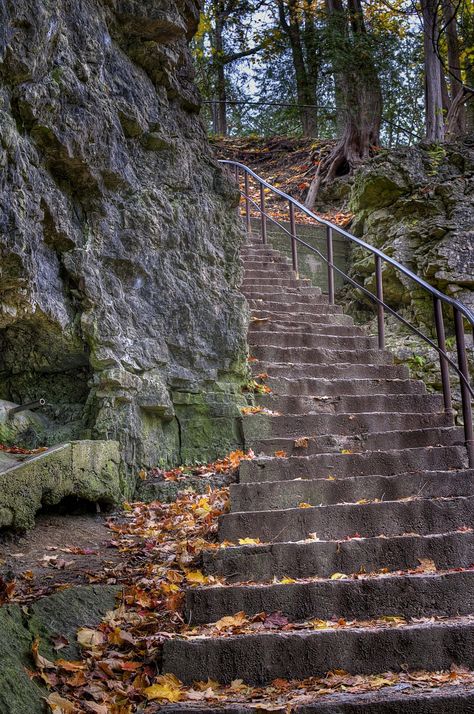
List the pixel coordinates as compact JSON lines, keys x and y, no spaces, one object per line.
{"x":417,"y":205}
{"x":119,"y":240}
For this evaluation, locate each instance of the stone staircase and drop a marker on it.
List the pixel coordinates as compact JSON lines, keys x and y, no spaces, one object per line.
{"x":374,"y":480}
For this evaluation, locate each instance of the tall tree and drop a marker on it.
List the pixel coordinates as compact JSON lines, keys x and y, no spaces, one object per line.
{"x":358,"y":88}
{"x":297,"y":22}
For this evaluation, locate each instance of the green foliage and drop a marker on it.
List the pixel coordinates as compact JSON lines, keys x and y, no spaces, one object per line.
{"x":437,"y":156}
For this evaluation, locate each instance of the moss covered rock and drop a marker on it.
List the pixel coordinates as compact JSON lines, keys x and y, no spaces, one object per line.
{"x":417,"y":205}
{"x":89,"y":470}
{"x":62,"y":613}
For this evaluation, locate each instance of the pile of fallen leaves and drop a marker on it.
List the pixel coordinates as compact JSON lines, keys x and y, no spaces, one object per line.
{"x":19,"y":450}
{"x":221,"y":466}
{"x":286,"y":163}
{"x":161,"y":544}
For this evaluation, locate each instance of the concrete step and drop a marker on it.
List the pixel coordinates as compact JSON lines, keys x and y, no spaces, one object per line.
{"x":397,"y":699}
{"x":257,"y":271}
{"x":310,"y":339}
{"x":259,"y":325}
{"x":259,"y":426}
{"x":288,"y":296}
{"x":416,"y":438}
{"x":297,"y":307}
{"x":333,"y":522}
{"x":352,"y":403}
{"x":322,"y":558}
{"x":262,"y":657}
{"x":326,"y":318}
{"x":320,"y":355}
{"x":270,"y":293}
{"x":345,"y":387}
{"x":333,"y":372}
{"x":268,"y":495}
{"x":275,"y":281}
{"x":408,"y":596}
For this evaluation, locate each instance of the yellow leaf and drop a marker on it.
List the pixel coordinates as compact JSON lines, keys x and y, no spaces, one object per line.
{"x":249,"y":541}
{"x":339,"y":576}
{"x":346,"y":451}
{"x":394,"y":618}
{"x":318,"y":624}
{"x":330,"y":478}
{"x":237,"y":620}
{"x":195,"y":576}
{"x":142,"y":474}
{"x":428,"y":565}
{"x":167,"y":687}
{"x":304,"y":505}
{"x":287,"y":581}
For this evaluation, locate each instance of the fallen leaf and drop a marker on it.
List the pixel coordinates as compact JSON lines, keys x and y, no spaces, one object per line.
{"x":301,"y":443}
{"x":167,"y":687}
{"x":339,"y":576}
{"x":427,"y":565}
{"x":281,"y":454}
{"x":237,"y":620}
{"x":249,"y":541}
{"x":59,"y":705}
{"x":304,"y":505}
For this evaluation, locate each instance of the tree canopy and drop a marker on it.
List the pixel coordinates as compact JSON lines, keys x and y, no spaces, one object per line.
{"x":364,"y":72}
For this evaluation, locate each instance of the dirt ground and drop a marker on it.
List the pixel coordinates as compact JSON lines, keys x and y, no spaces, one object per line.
{"x":62,"y":549}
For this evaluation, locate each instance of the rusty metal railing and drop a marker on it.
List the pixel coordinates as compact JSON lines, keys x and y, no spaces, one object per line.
{"x":461,"y":313}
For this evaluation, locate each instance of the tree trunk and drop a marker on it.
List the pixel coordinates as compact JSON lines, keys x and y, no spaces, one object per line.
{"x":304,"y":91}
{"x":457,"y":114}
{"x":220,"y":113}
{"x":359,"y":87}
{"x":434,"y":120}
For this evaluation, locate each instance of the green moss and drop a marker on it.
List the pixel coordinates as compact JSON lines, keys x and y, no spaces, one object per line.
{"x":18,"y":693}
{"x":89,"y":470}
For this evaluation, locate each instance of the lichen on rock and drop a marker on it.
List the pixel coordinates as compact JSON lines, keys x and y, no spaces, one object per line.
{"x":417,"y":205}
{"x":119,"y":240}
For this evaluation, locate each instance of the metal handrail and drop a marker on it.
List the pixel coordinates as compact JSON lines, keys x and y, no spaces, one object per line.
{"x":468,"y":314}
{"x":459,"y":309}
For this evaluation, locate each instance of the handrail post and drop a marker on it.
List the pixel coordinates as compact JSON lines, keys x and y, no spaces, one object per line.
{"x":380,"y":310}
{"x":330,"y":259}
{"x":247,"y":203}
{"x":443,"y":364}
{"x":294,"y":247}
{"x":262,"y":214}
{"x":465,"y":394}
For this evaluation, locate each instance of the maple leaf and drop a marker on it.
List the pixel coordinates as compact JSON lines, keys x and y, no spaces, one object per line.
{"x":237,"y":620}
{"x":281,"y":454}
{"x":167,"y":687}
{"x":196,"y":576}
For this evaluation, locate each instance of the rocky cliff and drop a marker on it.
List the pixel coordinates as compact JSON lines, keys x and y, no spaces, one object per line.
{"x":118,"y":235}
{"x":417,"y":205}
